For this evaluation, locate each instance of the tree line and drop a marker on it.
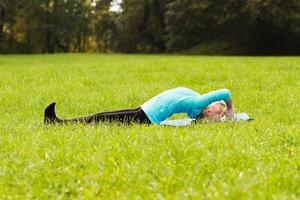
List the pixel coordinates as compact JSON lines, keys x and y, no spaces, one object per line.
{"x":149,"y":26}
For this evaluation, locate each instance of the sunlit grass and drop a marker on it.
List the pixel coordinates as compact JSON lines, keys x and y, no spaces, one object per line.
{"x":258,"y":160}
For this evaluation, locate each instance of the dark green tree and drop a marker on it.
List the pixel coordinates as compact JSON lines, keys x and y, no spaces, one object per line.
{"x":142,"y":26}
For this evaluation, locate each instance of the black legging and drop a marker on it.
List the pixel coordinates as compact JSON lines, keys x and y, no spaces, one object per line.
{"x":124,"y":116}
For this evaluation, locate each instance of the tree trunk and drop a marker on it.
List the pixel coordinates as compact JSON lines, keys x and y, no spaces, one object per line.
{"x":145,"y":19}
{"x":11,"y":38}
{"x":49,"y":46}
{"x":47,"y":28}
{"x":27,"y":37}
{"x":2,"y":17}
{"x":84,"y":41}
{"x":27,"y":43}
{"x":78,"y":45}
{"x":54,"y":27}
{"x":68,"y":42}
{"x":65,"y":48}
{"x":158,"y":7}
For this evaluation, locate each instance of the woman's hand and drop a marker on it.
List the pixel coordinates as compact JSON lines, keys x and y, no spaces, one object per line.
{"x":230,"y":110}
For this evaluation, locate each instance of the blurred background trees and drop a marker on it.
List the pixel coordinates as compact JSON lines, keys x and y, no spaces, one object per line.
{"x":150,"y":26}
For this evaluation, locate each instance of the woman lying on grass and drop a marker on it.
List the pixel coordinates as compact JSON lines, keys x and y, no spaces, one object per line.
{"x":211,"y":106}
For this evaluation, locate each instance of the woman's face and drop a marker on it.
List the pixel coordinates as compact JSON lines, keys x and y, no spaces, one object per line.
{"x":213,"y":112}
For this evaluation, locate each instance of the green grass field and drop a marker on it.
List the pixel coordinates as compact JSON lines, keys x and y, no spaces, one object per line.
{"x":256,"y":160}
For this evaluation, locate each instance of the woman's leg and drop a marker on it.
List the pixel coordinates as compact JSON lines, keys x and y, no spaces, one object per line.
{"x":124,"y":116}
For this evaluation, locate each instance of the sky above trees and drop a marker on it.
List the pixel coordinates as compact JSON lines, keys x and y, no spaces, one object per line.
{"x":116,"y":6}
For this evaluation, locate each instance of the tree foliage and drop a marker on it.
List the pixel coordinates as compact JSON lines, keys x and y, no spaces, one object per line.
{"x":147,"y":26}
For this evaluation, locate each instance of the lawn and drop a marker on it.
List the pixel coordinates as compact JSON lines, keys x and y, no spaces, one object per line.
{"x":249,"y":160}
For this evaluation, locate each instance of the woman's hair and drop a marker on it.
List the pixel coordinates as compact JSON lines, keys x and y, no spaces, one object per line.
{"x":200,"y":115}
{"x":222,"y":105}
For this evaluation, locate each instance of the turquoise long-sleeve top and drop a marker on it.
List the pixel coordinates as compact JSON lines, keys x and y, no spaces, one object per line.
{"x":181,"y":100}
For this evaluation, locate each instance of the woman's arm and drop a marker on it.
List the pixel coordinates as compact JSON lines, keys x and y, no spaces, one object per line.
{"x":230,"y":109}
{"x":217,"y":95}
{"x":210,"y":97}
